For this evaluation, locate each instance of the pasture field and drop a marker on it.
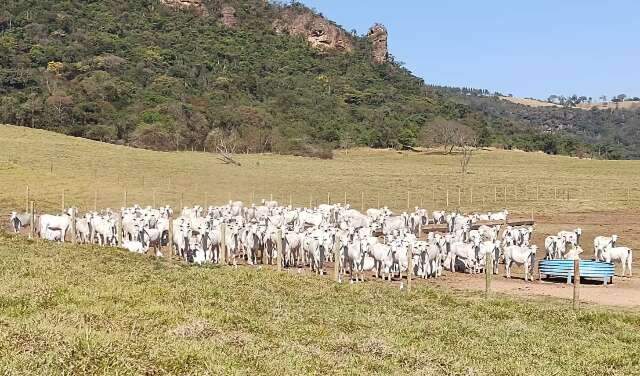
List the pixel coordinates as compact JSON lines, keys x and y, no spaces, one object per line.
{"x":87,"y":310}
{"x":51,"y":163}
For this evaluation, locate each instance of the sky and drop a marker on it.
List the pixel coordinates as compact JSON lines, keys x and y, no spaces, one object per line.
{"x":528,"y":48}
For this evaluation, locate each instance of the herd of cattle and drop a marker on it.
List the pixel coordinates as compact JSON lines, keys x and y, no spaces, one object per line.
{"x":377,"y":240}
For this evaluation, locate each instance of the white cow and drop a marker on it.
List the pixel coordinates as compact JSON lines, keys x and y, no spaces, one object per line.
{"x":521,"y":255}
{"x":572,"y":237}
{"x":623,"y":255}
{"x":355,"y":254}
{"x":19,"y":220}
{"x":602,"y":242}
{"x":134,"y":246}
{"x":59,"y":223}
{"x":555,"y":247}
{"x":574,"y":253}
{"x":383,"y":259}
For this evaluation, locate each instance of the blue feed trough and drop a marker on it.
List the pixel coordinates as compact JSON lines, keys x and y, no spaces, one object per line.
{"x":602,"y":271}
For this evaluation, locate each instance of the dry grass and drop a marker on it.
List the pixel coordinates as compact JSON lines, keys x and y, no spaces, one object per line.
{"x":49,"y":163}
{"x":628,"y":105}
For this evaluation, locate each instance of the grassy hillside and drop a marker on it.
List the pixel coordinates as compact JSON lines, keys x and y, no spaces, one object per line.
{"x":100,"y":311}
{"x":135,"y":72}
{"x":50,"y":163}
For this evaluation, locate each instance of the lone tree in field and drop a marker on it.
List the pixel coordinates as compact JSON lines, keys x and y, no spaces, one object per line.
{"x":449,"y":134}
{"x":468,"y":142}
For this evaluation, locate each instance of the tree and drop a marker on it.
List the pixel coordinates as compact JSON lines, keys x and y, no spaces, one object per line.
{"x":468,"y":142}
{"x":445,"y":133}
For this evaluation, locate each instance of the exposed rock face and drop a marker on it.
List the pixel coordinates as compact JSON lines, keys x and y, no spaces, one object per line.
{"x":228,"y":17}
{"x":319,"y":32}
{"x":378,"y":36}
{"x":196,"y":5}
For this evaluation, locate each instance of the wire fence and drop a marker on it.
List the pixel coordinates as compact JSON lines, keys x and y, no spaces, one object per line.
{"x":470,"y":198}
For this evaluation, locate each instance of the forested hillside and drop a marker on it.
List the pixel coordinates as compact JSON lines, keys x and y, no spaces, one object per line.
{"x":224,"y":73}
{"x":607,"y":133}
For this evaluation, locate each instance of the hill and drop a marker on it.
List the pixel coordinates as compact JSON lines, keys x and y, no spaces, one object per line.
{"x":604,"y":132}
{"x":242,"y":75}
{"x":625,"y":105}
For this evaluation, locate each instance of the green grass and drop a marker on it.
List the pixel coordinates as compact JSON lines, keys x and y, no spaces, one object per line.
{"x":86,"y":310}
{"x":49,"y":163}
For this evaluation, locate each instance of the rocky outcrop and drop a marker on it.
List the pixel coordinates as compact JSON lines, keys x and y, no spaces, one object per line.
{"x":378,"y":36}
{"x":228,"y":16}
{"x":319,"y":32}
{"x":196,"y":5}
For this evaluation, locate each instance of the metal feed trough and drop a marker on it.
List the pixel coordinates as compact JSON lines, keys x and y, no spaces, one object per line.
{"x":588,"y":269}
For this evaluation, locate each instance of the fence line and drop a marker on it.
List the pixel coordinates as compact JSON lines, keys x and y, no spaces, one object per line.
{"x":472,"y":197}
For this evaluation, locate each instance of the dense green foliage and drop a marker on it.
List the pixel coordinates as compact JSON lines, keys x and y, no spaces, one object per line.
{"x":135,"y":72}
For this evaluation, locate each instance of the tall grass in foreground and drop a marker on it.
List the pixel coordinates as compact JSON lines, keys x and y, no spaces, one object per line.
{"x":87,"y":310}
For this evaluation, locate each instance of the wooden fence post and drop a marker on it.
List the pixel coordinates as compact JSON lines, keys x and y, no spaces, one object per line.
{"x":124,"y":202}
{"x":576,"y":284}
{"x":328,"y":198}
{"x":32,"y":217}
{"x":471,"y":194}
{"x":488,"y":273}
{"x":223,"y":244}
{"x":27,"y":202}
{"x":270,"y":196}
{"x":336,"y":260}
{"x":280,"y":251}
{"x":409,"y":266}
{"x":73,"y":226}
